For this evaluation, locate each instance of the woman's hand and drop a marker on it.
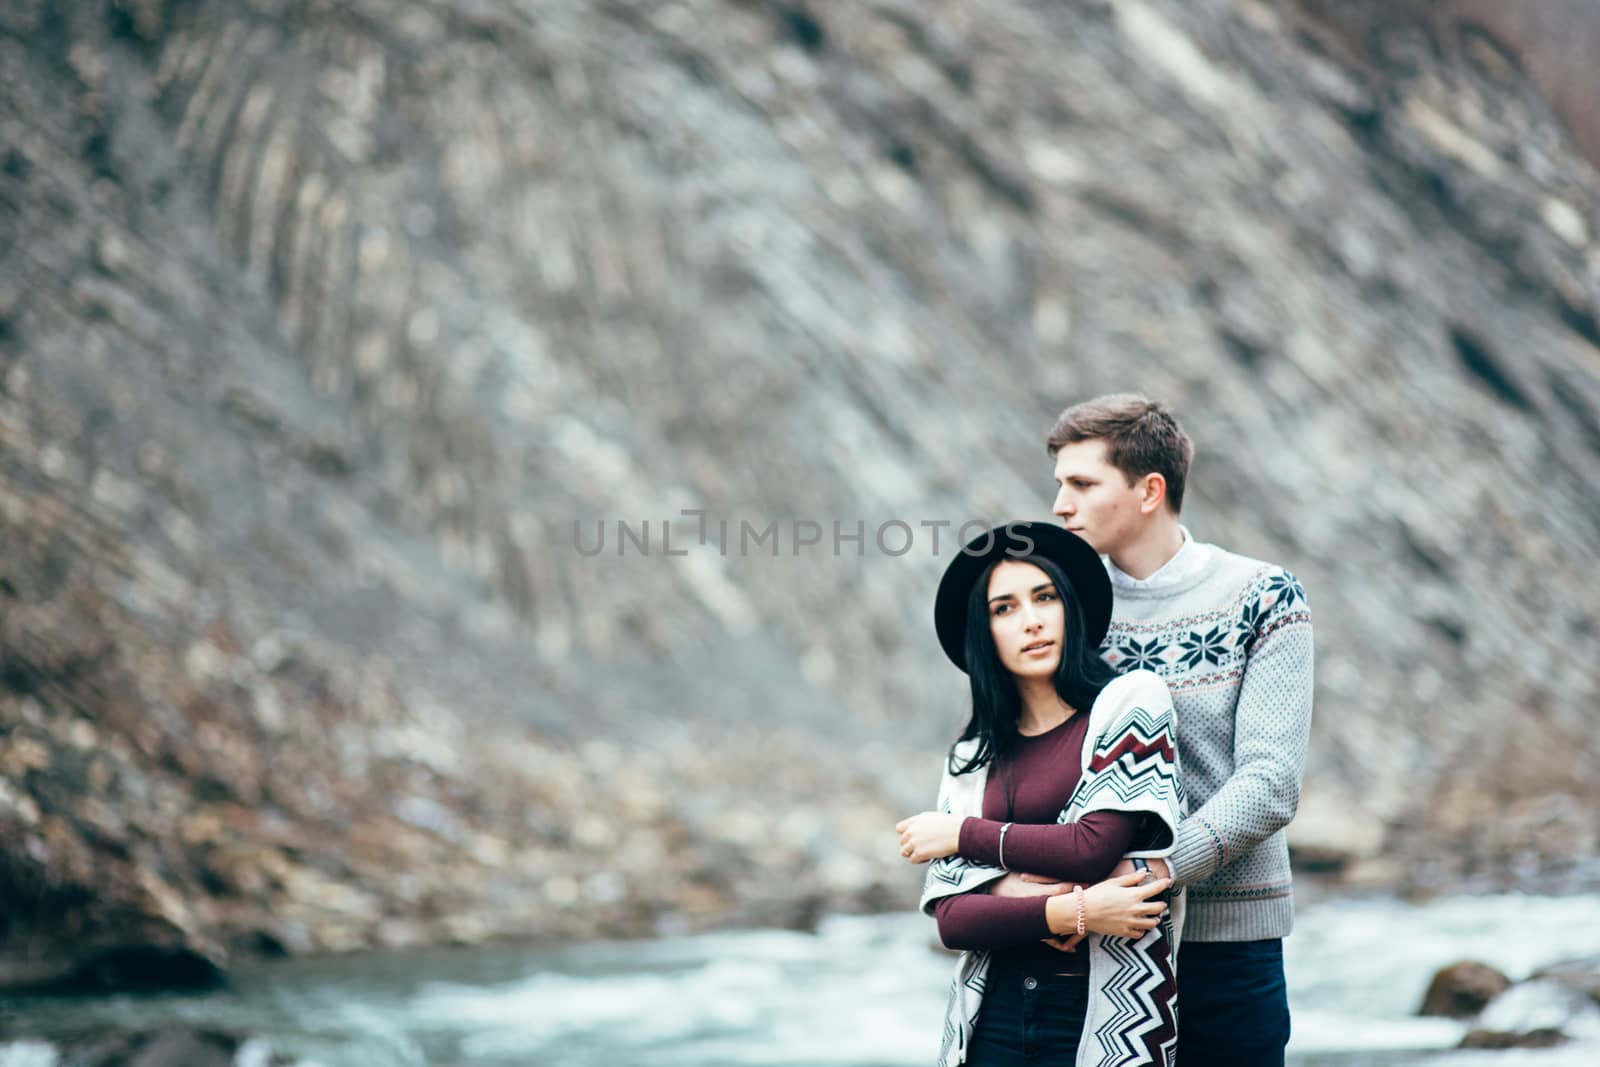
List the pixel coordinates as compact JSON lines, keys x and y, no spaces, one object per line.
{"x":929,"y":836}
{"x":1117,"y":907}
{"x":1121,"y":907}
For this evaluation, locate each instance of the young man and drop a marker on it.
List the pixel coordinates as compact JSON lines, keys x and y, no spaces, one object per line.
{"x":1232,"y":638}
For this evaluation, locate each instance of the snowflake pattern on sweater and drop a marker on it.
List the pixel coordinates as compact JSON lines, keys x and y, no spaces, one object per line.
{"x":1209,"y":648}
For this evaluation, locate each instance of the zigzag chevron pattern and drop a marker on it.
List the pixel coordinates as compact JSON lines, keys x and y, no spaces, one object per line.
{"x":952,"y":874}
{"x":1138,"y":728}
{"x":1142,"y":749}
{"x":1143,"y":988}
{"x":952,"y":1028}
{"x":946,"y":872}
{"x":971,"y":977}
{"x":1143,"y":731}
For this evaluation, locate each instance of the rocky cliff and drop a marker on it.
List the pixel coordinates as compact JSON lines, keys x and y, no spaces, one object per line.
{"x":322,"y":324}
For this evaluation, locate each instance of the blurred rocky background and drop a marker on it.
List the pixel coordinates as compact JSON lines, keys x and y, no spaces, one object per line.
{"x":321,"y":323}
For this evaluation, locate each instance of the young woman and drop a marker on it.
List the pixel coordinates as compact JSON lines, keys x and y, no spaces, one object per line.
{"x":1063,"y":768}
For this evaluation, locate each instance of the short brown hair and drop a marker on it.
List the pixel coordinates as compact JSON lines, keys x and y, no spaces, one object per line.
{"x":1141,"y":438}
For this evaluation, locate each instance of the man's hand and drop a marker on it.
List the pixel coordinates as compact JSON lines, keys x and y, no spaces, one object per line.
{"x":929,"y":836}
{"x":1158,"y":868}
{"x":1065,"y":942}
{"x":1017,"y":884}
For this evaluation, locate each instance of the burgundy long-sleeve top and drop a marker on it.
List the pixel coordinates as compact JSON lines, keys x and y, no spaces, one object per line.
{"x":1040,"y":776}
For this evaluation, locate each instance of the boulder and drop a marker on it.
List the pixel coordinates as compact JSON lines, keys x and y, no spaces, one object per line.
{"x":1582,"y":975}
{"x":1463,"y":989}
{"x":1544,"y":1037}
{"x":143,"y":968}
{"x":172,"y":1048}
{"x":1538,"y":1013}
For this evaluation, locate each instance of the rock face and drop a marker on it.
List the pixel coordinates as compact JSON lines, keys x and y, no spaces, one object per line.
{"x":320,"y":325}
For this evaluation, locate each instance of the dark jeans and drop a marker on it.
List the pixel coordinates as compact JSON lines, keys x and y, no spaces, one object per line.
{"x":1030,"y":1017}
{"x":1233,"y":1006}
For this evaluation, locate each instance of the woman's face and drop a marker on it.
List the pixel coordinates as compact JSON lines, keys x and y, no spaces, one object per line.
{"x":1026,"y":618}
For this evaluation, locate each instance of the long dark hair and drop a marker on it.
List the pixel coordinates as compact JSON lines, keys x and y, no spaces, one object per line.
{"x":996,"y":701}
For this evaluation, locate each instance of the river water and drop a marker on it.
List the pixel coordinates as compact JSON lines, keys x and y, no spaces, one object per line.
{"x":861,"y":992}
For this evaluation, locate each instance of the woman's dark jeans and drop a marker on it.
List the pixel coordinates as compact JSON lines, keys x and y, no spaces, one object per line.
{"x":1029,"y":1018}
{"x":1233,"y":1006}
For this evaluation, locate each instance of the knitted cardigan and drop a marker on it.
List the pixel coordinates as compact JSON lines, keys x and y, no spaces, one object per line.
{"x":1130,"y":763}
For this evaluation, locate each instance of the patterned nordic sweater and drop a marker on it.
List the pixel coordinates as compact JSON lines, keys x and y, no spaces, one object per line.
{"x":1233,"y":642}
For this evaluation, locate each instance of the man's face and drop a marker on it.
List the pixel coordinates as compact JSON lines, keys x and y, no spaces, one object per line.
{"x":1094,"y":499}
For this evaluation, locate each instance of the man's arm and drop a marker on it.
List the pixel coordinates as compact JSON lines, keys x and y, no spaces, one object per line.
{"x":1272,"y":727}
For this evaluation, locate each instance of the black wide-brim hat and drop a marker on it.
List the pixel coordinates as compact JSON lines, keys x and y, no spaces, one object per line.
{"x":1091,"y":585}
